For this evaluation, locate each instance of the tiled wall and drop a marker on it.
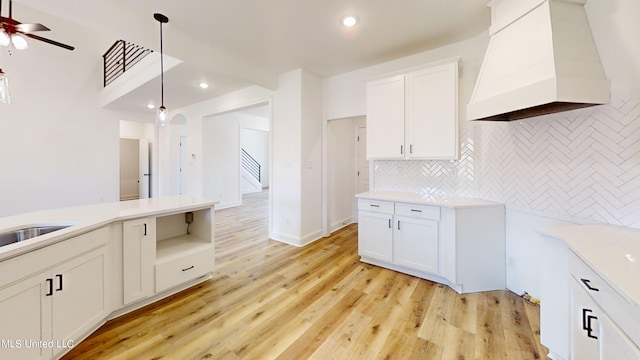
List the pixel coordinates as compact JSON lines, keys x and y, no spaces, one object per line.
{"x":583,"y":164}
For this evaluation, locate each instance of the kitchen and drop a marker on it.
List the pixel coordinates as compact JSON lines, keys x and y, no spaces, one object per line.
{"x":567,"y":168}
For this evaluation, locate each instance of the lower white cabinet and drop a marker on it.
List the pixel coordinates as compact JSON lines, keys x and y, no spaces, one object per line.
{"x":583,"y":316}
{"x":375,"y":234}
{"x":54,"y":307}
{"x":138,"y":258}
{"x":460,"y":247}
{"x":416,"y":243}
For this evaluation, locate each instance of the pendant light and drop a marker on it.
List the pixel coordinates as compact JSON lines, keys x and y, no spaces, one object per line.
{"x":5,"y":96}
{"x":162,"y":111}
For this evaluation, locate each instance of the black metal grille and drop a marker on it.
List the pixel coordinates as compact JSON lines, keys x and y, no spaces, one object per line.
{"x":120,"y":57}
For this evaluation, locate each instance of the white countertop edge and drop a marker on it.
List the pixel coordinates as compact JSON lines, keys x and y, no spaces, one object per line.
{"x":448,"y":202}
{"x":586,"y":242}
{"x":86,"y":218}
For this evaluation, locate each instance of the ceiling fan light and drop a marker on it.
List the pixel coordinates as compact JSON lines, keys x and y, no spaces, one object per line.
{"x":4,"y":38}
{"x":19,"y":42}
{"x":5,"y":96}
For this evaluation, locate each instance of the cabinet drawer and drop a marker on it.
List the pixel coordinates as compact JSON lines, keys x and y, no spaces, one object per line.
{"x":385,"y":207}
{"x":418,"y":211}
{"x":623,"y":313}
{"x":184,"y":268}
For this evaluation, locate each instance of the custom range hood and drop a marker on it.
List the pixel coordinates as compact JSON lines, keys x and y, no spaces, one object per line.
{"x":541,"y":59}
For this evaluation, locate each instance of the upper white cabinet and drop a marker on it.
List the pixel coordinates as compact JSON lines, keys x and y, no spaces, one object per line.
{"x":414,"y":115}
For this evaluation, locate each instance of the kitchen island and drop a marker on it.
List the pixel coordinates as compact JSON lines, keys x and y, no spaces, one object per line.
{"x":104,"y":261}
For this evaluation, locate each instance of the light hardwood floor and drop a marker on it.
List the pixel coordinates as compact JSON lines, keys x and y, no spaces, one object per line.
{"x":268,"y":300}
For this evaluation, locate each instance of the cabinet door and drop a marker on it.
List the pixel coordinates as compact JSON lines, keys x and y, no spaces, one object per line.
{"x":385,"y":118}
{"x":416,"y":244}
{"x":375,"y":237}
{"x":432,"y":112}
{"x":25,"y":313}
{"x":78,"y":301}
{"x":615,"y":345}
{"x":138,"y":258}
{"x":584,"y":324}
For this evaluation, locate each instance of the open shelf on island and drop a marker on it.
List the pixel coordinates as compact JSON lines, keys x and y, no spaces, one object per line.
{"x":169,"y":249}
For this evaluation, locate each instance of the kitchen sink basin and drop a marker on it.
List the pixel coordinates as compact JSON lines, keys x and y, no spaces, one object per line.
{"x":15,"y":236}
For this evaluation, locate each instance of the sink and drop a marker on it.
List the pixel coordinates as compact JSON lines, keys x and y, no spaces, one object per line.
{"x":15,"y":236}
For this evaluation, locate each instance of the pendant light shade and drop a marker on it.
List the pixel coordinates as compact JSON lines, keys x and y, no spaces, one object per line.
{"x":162,"y":110}
{"x":5,"y":96}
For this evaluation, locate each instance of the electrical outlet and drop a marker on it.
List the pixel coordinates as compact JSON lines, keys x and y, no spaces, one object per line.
{"x":188,"y":217}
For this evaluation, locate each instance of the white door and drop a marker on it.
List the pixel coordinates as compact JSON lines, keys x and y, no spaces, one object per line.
{"x":143,"y":169}
{"x":362,"y":174}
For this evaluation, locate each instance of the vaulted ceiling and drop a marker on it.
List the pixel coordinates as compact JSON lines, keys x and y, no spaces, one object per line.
{"x":235,"y":43}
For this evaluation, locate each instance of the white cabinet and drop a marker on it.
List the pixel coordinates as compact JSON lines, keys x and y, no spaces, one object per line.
{"x":26,"y":307}
{"x":63,"y":300}
{"x":185,"y":247}
{"x":78,"y":303}
{"x":416,"y":243}
{"x":460,"y":247}
{"x":414,"y":115}
{"x":385,"y":235}
{"x":138,"y":258}
{"x":375,"y":236}
{"x":582,"y":315}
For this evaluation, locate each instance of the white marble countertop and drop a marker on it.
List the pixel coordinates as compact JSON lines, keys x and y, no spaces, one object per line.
{"x":89,"y":217}
{"x":450,"y":202}
{"x":612,"y":251}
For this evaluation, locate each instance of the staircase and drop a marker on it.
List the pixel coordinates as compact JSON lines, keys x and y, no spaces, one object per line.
{"x":251,"y":174}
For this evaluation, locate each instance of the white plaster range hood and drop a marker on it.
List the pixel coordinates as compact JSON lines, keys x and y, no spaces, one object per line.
{"x":541,"y":59}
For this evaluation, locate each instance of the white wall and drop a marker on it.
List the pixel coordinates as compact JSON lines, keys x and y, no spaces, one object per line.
{"x":221,"y":155}
{"x":57,"y":147}
{"x":572,"y":167}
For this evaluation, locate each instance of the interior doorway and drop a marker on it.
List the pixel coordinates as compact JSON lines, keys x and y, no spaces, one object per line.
{"x":347,"y":169}
{"x":134,"y":169}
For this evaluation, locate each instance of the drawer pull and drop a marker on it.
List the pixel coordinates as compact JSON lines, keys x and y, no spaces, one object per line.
{"x":416,"y":210}
{"x":189,"y":268}
{"x":586,"y":322}
{"x":587,"y":283}
{"x":374,"y":205}
{"x":50,"y":286}
{"x":59,"y":277}
{"x":389,"y":223}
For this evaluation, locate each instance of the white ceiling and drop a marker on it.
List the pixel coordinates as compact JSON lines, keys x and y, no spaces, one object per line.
{"x":235,"y":43}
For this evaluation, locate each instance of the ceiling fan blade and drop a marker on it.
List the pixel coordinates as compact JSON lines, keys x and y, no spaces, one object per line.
{"x":52,"y":42}
{"x":28,"y":28}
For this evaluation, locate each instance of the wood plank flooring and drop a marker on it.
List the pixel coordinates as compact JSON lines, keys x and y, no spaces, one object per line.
{"x":269,"y":300}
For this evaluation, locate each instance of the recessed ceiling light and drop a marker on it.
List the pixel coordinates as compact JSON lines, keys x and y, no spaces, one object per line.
{"x":151,"y":106}
{"x":204,"y":85}
{"x":349,"y":21}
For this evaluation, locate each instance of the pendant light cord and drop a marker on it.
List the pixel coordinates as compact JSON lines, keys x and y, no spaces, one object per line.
{"x":161,"y":67}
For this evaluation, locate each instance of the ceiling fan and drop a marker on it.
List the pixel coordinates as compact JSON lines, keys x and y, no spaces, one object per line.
{"x":12,"y":31}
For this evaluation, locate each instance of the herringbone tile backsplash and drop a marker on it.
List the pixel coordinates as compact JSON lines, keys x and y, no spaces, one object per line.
{"x":582,"y":164}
